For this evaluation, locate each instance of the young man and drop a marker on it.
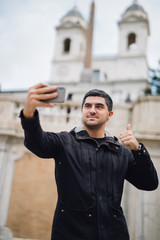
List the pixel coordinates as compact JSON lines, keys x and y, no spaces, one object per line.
{"x":90,"y":167}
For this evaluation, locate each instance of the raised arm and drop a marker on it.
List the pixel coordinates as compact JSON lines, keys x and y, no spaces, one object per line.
{"x":43,"y":144}
{"x":35,"y":97}
{"x":141,"y":171}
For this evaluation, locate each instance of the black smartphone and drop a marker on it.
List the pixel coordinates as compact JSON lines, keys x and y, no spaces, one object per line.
{"x":60,"y":98}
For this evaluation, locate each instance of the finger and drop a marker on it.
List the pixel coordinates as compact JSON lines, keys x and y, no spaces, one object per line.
{"x":46,"y":96}
{"x":127,"y":133}
{"x":39,"y":85}
{"x":127,"y":141}
{"x":45,"y":104}
{"x":129,"y":127}
{"x":47,"y":89}
{"x":123,"y":134}
{"x":43,"y":93}
{"x":124,"y":139}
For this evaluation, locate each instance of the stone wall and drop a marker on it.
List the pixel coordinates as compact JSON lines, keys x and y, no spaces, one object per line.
{"x":33,"y":198}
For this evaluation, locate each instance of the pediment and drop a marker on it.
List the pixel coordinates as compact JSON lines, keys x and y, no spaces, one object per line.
{"x":69,"y":24}
{"x":133,"y":18}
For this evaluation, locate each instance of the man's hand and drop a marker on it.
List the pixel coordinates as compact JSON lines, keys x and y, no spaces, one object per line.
{"x":35,"y":96}
{"x":128,"y":139}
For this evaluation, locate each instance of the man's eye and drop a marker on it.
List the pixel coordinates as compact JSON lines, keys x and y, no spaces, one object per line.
{"x":87,"y":106}
{"x":99,"y":106}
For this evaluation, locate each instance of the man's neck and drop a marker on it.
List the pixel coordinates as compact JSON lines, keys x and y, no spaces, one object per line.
{"x":95,"y":133}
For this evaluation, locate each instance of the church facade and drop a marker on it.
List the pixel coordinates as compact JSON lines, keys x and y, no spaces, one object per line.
{"x":124,"y":76}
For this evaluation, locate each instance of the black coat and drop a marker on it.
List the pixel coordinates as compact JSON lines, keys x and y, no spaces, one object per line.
{"x":90,"y":178}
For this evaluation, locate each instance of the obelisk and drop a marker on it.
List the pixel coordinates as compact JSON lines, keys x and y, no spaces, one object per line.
{"x":87,"y":71}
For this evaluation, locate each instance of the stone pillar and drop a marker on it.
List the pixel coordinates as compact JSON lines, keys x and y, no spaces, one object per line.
{"x":146,"y":126}
{"x":6,"y":173}
{"x":5,"y":234}
{"x":9,"y":152}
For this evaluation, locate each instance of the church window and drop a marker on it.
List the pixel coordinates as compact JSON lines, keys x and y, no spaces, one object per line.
{"x":67,"y":44}
{"x":96,"y":75}
{"x":132,"y":41}
{"x":69,"y":97}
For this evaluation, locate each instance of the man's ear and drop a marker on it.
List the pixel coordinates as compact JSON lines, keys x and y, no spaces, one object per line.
{"x":110,"y":115}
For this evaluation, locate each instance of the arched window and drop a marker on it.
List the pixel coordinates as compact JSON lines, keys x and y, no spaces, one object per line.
{"x":132,"y":41}
{"x":67,"y":44}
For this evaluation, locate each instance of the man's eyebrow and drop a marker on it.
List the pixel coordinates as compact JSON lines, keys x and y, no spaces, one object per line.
{"x":87,"y":103}
{"x":97,"y":104}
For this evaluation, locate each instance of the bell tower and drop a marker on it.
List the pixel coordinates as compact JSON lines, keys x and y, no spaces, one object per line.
{"x":71,"y":37}
{"x":134,"y":31}
{"x":70,"y":48}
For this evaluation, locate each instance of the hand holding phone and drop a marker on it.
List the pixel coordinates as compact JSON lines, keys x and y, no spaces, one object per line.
{"x":60,"y":98}
{"x":42,"y":95}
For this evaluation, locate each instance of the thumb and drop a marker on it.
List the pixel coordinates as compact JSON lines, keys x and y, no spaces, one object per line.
{"x":129,"y":126}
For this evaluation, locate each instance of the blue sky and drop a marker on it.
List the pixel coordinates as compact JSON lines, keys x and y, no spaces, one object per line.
{"x":27,"y":35}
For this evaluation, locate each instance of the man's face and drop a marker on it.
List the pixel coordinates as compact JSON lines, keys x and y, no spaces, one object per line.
{"x":95,"y":112}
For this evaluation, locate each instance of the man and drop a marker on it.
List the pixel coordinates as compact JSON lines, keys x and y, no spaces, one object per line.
{"x":90,"y":167}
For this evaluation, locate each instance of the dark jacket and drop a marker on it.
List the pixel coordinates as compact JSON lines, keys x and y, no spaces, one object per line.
{"x":90,"y":180}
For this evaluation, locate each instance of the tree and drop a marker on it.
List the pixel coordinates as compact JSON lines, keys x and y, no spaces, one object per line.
{"x":154,"y":80}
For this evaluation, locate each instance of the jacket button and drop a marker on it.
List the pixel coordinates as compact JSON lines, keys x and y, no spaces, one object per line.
{"x":59,"y":163}
{"x":117,"y":148}
{"x":62,"y":210}
{"x":115,"y":215}
{"x":89,"y":215}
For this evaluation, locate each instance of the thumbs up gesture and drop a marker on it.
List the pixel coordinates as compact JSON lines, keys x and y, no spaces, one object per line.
{"x":128,"y":139}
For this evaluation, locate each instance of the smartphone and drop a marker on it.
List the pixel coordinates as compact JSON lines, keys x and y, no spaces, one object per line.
{"x":60,"y":98}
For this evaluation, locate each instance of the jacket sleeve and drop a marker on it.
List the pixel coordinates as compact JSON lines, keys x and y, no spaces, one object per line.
{"x":141,"y":171}
{"x":43,"y":144}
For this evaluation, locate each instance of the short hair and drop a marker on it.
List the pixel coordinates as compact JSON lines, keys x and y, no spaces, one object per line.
{"x":99,"y":93}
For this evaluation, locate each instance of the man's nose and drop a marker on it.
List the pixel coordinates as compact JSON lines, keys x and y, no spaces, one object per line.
{"x":92,"y":110}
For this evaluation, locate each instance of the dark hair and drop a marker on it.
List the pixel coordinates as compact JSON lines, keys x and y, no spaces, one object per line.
{"x":99,"y":93}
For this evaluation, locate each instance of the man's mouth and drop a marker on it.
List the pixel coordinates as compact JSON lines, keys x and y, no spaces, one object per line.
{"x":90,"y":116}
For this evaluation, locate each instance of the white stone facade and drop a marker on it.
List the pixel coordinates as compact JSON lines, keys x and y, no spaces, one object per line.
{"x":125,"y":74}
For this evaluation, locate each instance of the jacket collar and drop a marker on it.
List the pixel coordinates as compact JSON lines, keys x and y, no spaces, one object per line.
{"x":81,"y":128}
{"x":110,"y":141}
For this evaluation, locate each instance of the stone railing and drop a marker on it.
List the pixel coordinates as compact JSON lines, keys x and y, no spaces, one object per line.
{"x":61,"y":117}
{"x":143,"y":114}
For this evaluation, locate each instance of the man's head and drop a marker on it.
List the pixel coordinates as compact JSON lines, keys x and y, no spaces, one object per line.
{"x":99,"y":93}
{"x":96,"y":110}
